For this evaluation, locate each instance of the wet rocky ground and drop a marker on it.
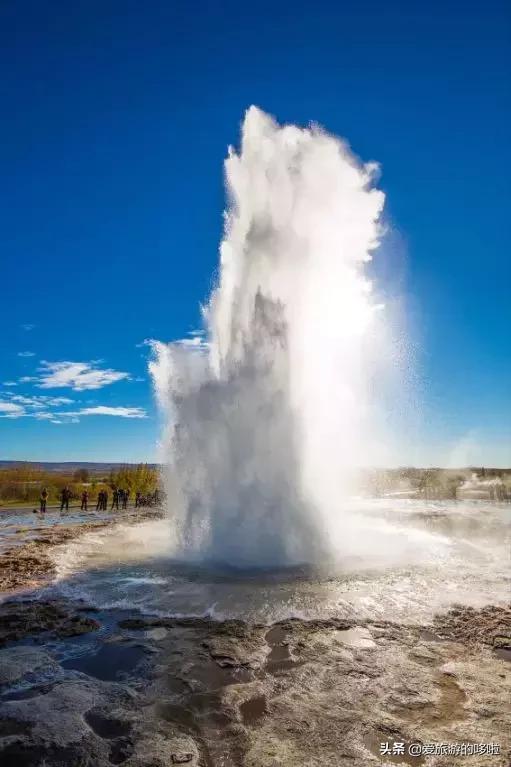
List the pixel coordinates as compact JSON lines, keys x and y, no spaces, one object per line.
{"x":151,"y":692}
{"x":84,"y":688}
{"x":24,"y":554}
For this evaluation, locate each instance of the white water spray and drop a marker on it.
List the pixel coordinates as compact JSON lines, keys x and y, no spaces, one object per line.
{"x":269,"y":415}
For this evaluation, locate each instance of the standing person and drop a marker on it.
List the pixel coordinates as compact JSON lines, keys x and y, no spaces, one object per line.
{"x":115,"y":499}
{"x":138,"y":497}
{"x":43,"y":500}
{"x":85,"y":501}
{"x":105,"y":499}
{"x":99,"y":502}
{"x":64,"y":498}
{"x":125,"y":499}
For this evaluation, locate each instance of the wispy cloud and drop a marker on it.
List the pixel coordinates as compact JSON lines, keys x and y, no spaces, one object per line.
{"x":41,"y":407}
{"x":28,"y":326}
{"x":40,"y":400}
{"x":26,"y":354}
{"x":11,"y":410}
{"x":54,"y":417}
{"x":64,"y":420}
{"x":78,"y":376}
{"x":20,"y":406}
{"x":120,"y":412}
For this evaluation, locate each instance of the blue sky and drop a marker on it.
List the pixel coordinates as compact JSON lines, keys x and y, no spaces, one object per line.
{"x":115,"y":121}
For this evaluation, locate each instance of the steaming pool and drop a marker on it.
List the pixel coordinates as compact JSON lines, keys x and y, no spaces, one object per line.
{"x":403,"y":560}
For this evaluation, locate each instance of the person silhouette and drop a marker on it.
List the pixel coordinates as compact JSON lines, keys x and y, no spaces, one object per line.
{"x":64,"y":498}
{"x":43,"y":500}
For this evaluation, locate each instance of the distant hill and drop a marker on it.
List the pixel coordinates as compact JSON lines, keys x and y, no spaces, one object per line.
{"x":68,"y":467}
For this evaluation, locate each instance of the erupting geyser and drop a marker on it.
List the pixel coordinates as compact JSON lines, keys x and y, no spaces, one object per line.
{"x":271,"y":409}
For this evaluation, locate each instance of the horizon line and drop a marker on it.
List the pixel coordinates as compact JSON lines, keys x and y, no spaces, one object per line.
{"x":363,"y":468}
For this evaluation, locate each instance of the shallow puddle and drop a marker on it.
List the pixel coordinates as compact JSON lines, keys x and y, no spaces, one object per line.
{"x":107,"y":727}
{"x":213,"y":677}
{"x":110,"y":661}
{"x":279,"y":658}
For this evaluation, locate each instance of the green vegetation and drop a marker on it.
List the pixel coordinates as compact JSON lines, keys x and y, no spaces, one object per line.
{"x":81,"y":475}
{"x":22,"y":484}
{"x":139,"y":479}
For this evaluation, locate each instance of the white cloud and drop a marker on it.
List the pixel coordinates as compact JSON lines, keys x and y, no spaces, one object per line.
{"x":11,"y":410}
{"x":18,"y":409}
{"x":54,"y":417}
{"x":27,"y":379}
{"x":26,"y":354}
{"x":39,"y":407}
{"x":39,"y":401}
{"x":79,"y":376}
{"x":28,"y":326}
{"x":55,"y":401}
{"x":10,"y":383}
{"x":121,"y":412}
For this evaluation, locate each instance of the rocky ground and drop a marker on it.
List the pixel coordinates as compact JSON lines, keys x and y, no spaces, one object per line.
{"x":153,"y":692}
{"x":199,"y":692}
{"x":26,"y":564}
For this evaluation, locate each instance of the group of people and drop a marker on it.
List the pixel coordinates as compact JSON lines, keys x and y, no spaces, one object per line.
{"x":119,"y":496}
{"x":151,"y":499}
{"x":120,"y":499}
